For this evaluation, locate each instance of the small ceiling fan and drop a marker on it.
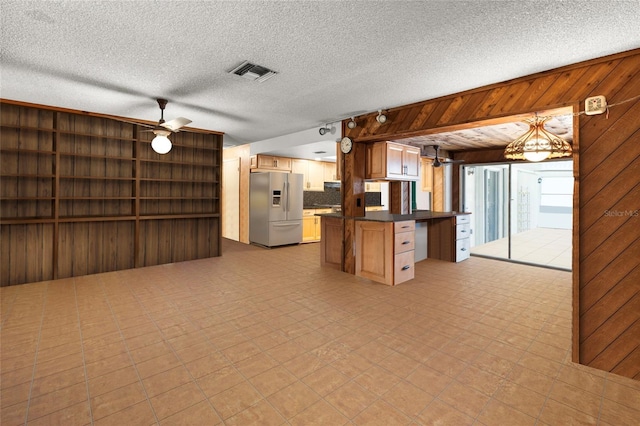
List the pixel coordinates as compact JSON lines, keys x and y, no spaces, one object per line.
{"x":161,"y":143}
{"x":437,"y":161}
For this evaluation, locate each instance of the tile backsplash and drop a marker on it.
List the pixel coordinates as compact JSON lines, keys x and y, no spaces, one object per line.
{"x":331,"y":197}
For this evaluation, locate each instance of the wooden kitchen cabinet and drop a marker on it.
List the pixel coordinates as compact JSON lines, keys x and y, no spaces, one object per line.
{"x":313,"y":172}
{"x":330,"y":172}
{"x":427,"y":174}
{"x":392,"y":161}
{"x":270,"y":162}
{"x":385,"y":251}
{"x":372,"y":187}
{"x":311,"y":225}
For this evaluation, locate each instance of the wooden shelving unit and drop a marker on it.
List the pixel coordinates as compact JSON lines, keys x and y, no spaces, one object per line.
{"x":83,"y":194}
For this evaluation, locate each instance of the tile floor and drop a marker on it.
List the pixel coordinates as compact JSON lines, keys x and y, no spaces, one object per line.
{"x":541,"y":246}
{"x":267,"y":337}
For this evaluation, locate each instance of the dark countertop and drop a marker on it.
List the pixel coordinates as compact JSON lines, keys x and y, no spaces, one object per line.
{"x":385,"y":216}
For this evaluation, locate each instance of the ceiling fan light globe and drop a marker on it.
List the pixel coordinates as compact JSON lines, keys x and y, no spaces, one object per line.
{"x":161,"y":144}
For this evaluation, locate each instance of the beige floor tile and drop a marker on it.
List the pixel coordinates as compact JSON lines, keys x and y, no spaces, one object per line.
{"x":139,"y":414}
{"x":15,"y":414}
{"x":57,"y":400}
{"x":464,"y":399}
{"x":117,"y":400}
{"x":55,"y":381}
{"x":219,"y":381}
{"x":293,"y":399}
{"x":261,"y":413}
{"x":620,"y":414}
{"x":408,"y":398}
{"x":556,"y":413}
{"x":75,"y":415}
{"x":350,"y":399}
{"x":377,"y":380}
{"x":273,"y":380}
{"x":201,"y":413}
{"x":480,"y":380}
{"x":574,"y":397}
{"x":521,"y":398}
{"x":429,"y":380}
{"x":382,"y":414}
{"x":176,"y":399}
{"x":441,"y":414}
{"x":497,"y":413}
{"x":255,"y":365}
{"x":165,"y":381}
{"x":235,"y":399}
{"x":319,"y":414}
{"x":325,"y":380}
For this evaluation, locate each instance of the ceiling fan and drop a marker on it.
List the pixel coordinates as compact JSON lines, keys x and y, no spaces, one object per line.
{"x":161,"y":143}
{"x":437,"y":161}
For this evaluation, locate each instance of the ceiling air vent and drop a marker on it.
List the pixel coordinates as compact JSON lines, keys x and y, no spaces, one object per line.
{"x":253,"y":72}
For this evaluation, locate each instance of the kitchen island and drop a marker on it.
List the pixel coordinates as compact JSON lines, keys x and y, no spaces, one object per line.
{"x":387,"y":245}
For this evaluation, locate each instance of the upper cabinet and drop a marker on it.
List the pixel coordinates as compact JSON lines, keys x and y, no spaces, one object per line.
{"x":392,"y":161}
{"x":269,"y":162}
{"x":313,"y":172}
{"x":427,"y":174}
{"x":330,"y":172}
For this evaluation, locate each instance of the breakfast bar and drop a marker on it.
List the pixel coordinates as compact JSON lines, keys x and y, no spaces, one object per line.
{"x":388,"y":245}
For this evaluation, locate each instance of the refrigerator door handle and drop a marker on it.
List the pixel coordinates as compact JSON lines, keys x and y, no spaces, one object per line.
{"x":285,"y":196}
{"x":284,"y":225}
{"x":288,"y":202}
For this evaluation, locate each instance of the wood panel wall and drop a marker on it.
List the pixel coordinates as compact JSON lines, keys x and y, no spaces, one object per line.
{"x":606,"y":275}
{"x":82,"y":193}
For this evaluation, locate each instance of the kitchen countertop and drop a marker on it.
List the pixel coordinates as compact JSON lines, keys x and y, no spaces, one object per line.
{"x":385,"y":216}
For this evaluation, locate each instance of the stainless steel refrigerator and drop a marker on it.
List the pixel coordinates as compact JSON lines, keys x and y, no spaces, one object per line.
{"x":275,"y":208}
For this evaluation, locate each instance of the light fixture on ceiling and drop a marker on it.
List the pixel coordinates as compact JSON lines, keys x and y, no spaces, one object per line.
{"x":161,"y":143}
{"x":326,"y":129}
{"x":537,"y":144}
{"x":381,"y":118}
{"x":352,"y":124}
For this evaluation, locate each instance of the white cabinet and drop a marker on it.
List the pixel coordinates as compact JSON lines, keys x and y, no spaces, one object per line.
{"x":313,"y":172}
{"x":392,"y":161}
{"x":463,"y":231}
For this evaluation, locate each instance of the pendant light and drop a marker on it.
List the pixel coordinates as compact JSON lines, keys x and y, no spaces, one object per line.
{"x":537,"y":144}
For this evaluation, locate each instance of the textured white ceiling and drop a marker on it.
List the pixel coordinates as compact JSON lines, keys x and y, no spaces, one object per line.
{"x":334,"y":58}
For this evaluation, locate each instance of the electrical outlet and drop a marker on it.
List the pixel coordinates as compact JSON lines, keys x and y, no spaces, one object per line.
{"x":595,"y":105}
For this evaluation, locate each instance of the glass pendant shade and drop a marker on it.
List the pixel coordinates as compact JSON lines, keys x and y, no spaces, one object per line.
{"x":537,"y":144}
{"x":161,"y":144}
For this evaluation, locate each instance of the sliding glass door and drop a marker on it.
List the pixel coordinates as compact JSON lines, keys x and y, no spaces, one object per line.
{"x":521,"y":211}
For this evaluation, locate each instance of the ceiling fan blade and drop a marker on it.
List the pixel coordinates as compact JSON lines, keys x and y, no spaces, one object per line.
{"x":176,"y":123}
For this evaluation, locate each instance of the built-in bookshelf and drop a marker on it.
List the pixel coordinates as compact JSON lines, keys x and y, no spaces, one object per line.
{"x":81,"y":194}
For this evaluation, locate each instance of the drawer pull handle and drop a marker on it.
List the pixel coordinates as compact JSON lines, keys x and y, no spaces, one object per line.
{"x":405,"y":267}
{"x":406,"y":242}
{"x":463,"y":249}
{"x":463,"y":231}
{"x":406,"y":226}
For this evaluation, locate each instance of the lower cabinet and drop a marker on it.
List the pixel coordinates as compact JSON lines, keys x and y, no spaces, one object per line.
{"x":448,"y":238}
{"x":385,"y":251}
{"x":311,"y":225}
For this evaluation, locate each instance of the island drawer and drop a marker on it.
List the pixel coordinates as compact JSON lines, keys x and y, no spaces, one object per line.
{"x":465,"y":218}
{"x":463,"y":231}
{"x":404,"y":226}
{"x":404,"y":241}
{"x":403,"y":267}
{"x":463,"y":250}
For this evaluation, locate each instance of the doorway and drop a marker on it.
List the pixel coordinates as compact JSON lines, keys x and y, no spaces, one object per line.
{"x":522,"y":212}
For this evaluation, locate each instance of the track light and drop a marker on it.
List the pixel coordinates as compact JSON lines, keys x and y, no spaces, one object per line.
{"x":326,"y":129}
{"x":352,"y":124}
{"x":381,"y":118}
